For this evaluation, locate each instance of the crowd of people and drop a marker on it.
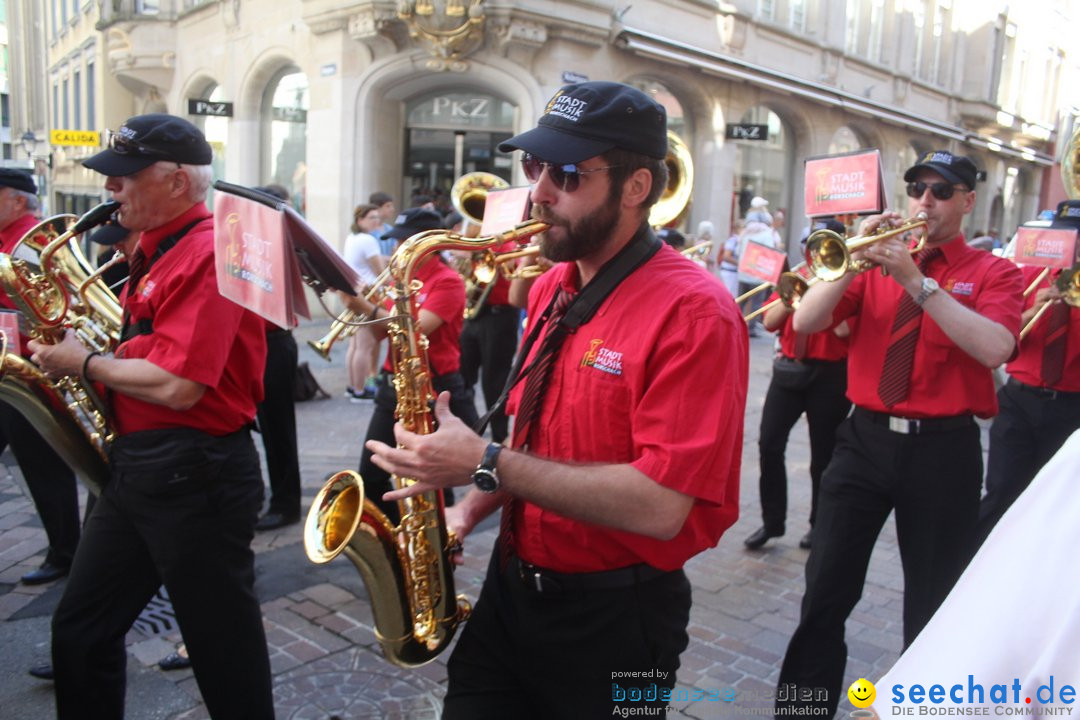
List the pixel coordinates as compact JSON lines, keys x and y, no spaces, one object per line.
{"x":615,"y":444}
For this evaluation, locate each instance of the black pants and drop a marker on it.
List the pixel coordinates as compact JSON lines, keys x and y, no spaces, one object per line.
{"x":1030,"y":427}
{"x":753,"y":302}
{"x":821,"y":395}
{"x":179,"y":510}
{"x":277,"y":423}
{"x":51,"y":484}
{"x":490,"y":341}
{"x":525,"y":655}
{"x":381,"y":427}
{"x":932,"y":481}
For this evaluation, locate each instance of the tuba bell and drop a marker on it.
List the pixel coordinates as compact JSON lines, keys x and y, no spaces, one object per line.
{"x":676,"y":195}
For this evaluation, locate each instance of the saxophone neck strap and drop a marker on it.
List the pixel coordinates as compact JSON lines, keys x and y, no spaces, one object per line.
{"x":145,"y":326}
{"x":636,"y":253}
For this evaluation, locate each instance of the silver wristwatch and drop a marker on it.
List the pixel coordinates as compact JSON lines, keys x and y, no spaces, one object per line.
{"x":929,"y":287}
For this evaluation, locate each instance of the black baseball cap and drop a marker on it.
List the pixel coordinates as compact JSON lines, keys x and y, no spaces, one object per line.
{"x":954,"y":168}
{"x":587,"y":119}
{"x":415,"y":220}
{"x":17,"y":180}
{"x":1067,"y":215}
{"x":146,"y":139}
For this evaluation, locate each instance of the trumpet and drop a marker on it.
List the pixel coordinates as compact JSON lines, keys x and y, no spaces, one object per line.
{"x":346,"y":324}
{"x":698,"y":252}
{"x":790,"y":287}
{"x":829,"y":255}
{"x":1068,"y":283}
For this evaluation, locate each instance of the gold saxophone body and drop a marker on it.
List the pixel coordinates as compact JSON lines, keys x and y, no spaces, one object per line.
{"x":407,"y":569}
{"x":53,"y":286}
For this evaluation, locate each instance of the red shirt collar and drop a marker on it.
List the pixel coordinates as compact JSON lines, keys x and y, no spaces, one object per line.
{"x":150,"y":239}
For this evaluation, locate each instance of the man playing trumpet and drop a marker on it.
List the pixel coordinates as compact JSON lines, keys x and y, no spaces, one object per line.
{"x":927,"y":333}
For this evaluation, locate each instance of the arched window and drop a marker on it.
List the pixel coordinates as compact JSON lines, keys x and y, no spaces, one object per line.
{"x":284,"y":133}
{"x":216,"y":130}
{"x":905,"y":158}
{"x":676,"y":118}
{"x":845,"y":140}
{"x":762,"y":166}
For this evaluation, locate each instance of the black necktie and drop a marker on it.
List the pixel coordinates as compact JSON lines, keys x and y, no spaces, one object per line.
{"x":895,"y":381}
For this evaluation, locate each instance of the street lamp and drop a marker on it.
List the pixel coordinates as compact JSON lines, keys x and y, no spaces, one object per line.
{"x":29,"y":143}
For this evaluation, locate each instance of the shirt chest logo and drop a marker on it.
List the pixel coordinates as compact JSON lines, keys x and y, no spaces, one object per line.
{"x":146,"y":286}
{"x":601,"y":358}
{"x":957,"y":287}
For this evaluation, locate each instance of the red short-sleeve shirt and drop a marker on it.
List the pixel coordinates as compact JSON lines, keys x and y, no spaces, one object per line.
{"x":656,"y":379}
{"x":1027,"y":367}
{"x":197,"y":335}
{"x":945,"y":380}
{"x":443,"y":293}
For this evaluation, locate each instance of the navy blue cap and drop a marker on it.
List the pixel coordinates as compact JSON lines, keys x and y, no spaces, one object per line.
{"x":415,"y":220}
{"x":145,"y":139}
{"x":1067,"y":215}
{"x":954,"y":168}
{"x":18,"y":180}
{"x":588,"y":119}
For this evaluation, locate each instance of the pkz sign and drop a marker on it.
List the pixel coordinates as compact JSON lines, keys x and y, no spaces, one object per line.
{"x":740,"y":131}
{"x":209,"y":107}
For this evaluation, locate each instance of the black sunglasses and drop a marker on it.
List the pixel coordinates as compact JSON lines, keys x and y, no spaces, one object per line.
{"x":124,"y":146}
{"x":566,"y":176}
{"x":940,"y":190}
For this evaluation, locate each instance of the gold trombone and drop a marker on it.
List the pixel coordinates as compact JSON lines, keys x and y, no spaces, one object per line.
{"x":791,"y":286}
{"x":829,"y":255}
{"x":346,"y":324}
{"x":1068,"y":283}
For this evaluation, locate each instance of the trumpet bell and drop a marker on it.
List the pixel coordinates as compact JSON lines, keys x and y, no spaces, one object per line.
{"x":827,"y":254}
{"x":469,"y":194}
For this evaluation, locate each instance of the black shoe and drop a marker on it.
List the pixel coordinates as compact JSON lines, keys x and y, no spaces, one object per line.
{"x":42,"y":672}
{"x":44,"y":574}
{"x":806,"y":539}
{"x":175,"y":661}
{"x":760,"y":537}
{"x":275,"y":520}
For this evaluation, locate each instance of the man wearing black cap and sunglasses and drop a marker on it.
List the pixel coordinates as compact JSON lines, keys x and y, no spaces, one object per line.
{"x":626,"y":442}
{"x":928,"y":332}
{"x":185,"y":486}
{"x":50,"y":481}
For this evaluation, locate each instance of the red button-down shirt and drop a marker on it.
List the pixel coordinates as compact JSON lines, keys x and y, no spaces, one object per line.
{"x":442,"y":292}
{"x":1027,"y":367}
{"x":656,"y":379}
{"x":945,"y":380}
{"x":9,"y":238}
{"x":197,"y":335}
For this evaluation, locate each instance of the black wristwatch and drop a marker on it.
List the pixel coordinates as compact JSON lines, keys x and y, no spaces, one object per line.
{"x":485,"y":477}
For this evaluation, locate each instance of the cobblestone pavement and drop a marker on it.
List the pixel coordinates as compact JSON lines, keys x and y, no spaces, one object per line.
{"x":318,"y":618}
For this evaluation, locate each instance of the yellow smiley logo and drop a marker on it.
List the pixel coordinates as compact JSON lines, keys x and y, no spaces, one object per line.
{"x":861,"y":693}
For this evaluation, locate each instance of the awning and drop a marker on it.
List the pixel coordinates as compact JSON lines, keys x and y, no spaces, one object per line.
{"x":649,"y":45}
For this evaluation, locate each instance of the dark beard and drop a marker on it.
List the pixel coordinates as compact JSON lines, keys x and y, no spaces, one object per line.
{"x":581,"y":238}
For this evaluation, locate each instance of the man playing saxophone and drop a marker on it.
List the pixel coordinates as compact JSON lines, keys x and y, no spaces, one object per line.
{"x":185,"y":485}
{"x":50,"y":481}
{"x":626,"y":442}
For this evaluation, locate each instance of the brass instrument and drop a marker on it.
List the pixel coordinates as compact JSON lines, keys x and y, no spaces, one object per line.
{"x":680,"y":184}
{"x":1070,"y":165}
{"x":790,"y":287}
{"x":348,"y":322}
{"x":468,"y":195}
{"x":829,"y":255}
{"x":1068,"y":284}
{"x":407,"y":568}
{"x":698,"y":252}
{"x":53,"y":286}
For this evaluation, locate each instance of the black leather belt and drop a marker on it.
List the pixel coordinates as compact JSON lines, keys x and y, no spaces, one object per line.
{"x":1047,"y":393}
{"x":549,"y":582}
{"x":914,"y":426}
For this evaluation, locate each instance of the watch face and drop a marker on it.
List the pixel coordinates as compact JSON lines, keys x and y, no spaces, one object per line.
{"x":486,"y":480}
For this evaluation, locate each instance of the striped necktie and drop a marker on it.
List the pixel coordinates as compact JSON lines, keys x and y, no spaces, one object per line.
{"x":895,"y":381}
{"x":1057,"y":333}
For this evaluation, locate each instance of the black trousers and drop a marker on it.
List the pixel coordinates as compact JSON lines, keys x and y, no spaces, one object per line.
{"x":276,"y":416}
{"x":381,"y":427}
{"x":1030,"y":427}
{"x":489,"y":341}
{"x":753,"y":302}
{"x":179,"y":510}
{"x":822,"y":397}
{"x":932,"y":481}
{"x":524,"y":654}
{"x":51,"y":484}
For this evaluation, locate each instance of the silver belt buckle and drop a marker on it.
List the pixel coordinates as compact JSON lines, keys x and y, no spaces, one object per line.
{"x":900,"y":425}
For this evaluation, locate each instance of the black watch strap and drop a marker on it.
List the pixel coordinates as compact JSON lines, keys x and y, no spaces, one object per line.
{"x":485,"y":477}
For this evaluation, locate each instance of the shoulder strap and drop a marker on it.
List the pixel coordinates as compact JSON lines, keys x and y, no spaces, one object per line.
{"x":636,"y":253}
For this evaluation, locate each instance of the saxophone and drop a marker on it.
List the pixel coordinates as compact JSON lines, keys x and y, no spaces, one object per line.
{"x":53,"y":286}
{"x":407,"y":568}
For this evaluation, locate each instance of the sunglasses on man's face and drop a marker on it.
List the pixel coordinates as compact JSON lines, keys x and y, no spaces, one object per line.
{"x":566,"y":176}
{"x":940,"y":190}
{"x":125,"y":146}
